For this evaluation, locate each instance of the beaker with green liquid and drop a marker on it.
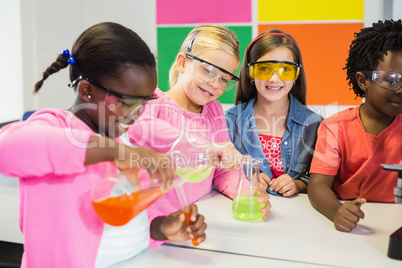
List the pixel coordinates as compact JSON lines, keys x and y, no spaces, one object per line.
{"x":245,"y":206}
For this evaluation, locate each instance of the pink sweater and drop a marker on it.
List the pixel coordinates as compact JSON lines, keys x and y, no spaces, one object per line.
{"x":162,"y":123}
{"x":47,"y":152}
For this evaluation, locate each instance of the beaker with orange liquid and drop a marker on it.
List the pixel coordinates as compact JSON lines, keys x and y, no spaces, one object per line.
{"x":116,"y":200}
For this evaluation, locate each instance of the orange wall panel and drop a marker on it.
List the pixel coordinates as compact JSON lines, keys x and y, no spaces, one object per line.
{"x":324,"y":47}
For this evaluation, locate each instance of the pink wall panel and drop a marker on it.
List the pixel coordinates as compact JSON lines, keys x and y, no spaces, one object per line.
{"x":205,"y":11}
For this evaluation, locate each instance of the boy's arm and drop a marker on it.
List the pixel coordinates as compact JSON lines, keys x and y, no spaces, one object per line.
{"x":344,"y":215}
{"x":326,"y":160}
{"x":302,"y":186}
{"x":321,"y":195}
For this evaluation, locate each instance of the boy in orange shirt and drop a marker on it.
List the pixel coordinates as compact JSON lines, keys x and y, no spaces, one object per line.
{"x":352,"y":145}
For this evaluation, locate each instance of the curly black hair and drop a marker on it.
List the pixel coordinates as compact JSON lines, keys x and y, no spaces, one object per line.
{"x":369,"y":47}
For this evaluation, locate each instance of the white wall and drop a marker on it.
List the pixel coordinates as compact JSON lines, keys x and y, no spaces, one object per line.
{"x":47,"y":27}
{"x":11,"y":100}
{"x":396,"y":10}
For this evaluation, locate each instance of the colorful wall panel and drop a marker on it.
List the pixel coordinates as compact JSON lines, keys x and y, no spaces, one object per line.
{"x":323,"y":29}
{"x":324,"y":48}
{"x":310,"y":10}
{"x":205,"y":11}
{"x":176,"y":18}
{"x":169,"y":43}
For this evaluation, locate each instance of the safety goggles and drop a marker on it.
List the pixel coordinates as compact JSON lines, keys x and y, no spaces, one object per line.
{"x":210,"y":73}
{"x":389,"y":80}
{"x":116,"y":102}
{"x":263,"y":70}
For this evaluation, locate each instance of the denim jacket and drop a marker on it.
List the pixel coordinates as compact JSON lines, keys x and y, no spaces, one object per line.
{"x":298,"y":142}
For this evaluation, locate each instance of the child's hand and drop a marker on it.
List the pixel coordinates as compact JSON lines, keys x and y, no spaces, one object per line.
{"x":159,"y":166}
{"x":349,"y":214}
{"x":284,"y":185}
{"x":264,"y":181}
{"x":225,"y":155}
{"x":265,"y":199}
{"x":175,"y":228}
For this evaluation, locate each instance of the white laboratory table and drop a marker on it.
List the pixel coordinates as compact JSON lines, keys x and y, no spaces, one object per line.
{"x":295,"y":235}
{"x":169,"y":256}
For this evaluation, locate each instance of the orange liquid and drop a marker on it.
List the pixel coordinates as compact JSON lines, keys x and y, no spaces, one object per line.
{"x":119,"y":210}
{"x":187,"y":215}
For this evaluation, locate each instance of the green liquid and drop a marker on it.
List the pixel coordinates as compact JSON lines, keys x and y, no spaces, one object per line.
{"x":196,"y":174}
{"x":246,"y":208}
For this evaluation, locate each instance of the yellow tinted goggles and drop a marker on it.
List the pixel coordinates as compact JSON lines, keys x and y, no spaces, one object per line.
{"x":263,"y":70}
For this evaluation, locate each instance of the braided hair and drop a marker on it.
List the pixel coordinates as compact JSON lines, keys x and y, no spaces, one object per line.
{"x":369,"y":47}
{"x":103,"y":50}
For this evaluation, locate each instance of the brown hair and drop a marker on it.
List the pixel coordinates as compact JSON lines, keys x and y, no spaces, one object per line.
{"x":245,"y":91}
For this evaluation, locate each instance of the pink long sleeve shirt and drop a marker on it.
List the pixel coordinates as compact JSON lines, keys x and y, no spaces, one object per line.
{"x":162,"y":122}
{"x":60,"y":227}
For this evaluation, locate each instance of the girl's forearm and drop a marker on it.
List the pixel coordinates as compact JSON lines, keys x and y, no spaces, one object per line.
{"x":155,"y":229}
{"x":100,"y":149}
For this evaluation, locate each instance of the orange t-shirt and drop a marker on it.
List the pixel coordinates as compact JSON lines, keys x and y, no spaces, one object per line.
{"x":354,"y":157}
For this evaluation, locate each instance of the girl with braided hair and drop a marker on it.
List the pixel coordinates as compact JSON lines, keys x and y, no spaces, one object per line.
{"x":59,"y":155}
{"x":352,"y":145}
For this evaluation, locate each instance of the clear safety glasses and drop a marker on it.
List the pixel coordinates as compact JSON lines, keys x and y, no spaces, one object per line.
{"x":389,"y":80}
{"x":116,"y":102}
{"x":209,"y":72}
{"x":263,"y":70}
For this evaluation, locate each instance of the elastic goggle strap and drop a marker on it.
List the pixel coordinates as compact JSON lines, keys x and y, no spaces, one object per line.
{"x":258,"y":37}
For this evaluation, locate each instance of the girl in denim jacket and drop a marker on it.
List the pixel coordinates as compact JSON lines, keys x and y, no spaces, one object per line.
{"x":271,"y":121}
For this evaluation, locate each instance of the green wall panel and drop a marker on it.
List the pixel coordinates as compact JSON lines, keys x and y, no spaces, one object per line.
{"x":169,"y":41}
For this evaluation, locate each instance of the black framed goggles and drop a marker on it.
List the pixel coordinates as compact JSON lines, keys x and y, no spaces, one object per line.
{"x":109,"y":90}
{"x":118,"y":103}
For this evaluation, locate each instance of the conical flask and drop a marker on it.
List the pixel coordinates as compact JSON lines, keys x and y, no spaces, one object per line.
{"x":245,"y":206}
{"x":190,"y":155}
{"x":117,"y":200}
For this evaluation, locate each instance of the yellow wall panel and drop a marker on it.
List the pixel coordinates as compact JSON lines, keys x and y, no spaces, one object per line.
{"x":299,"y":10}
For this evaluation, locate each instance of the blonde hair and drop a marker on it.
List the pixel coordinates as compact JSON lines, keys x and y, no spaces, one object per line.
{"x":207,"y":37}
